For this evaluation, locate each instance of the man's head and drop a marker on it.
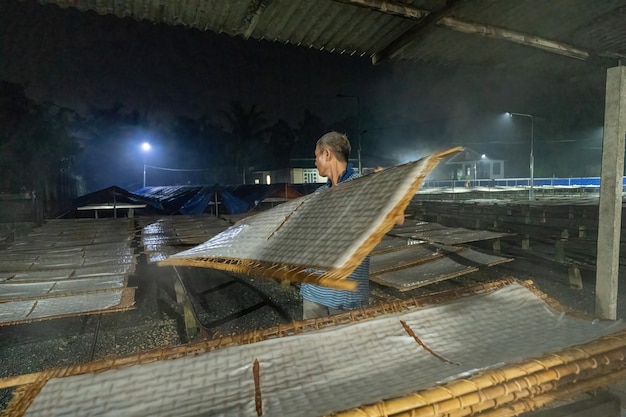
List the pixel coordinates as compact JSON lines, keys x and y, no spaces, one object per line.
{"x":333,"y":146}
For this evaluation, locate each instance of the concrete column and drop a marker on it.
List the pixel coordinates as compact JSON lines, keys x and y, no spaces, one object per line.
{"x":610,"y":213}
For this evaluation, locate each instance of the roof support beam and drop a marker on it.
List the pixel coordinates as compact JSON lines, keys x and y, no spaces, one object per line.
{"x":410,"y":36}
{"x":409,"y":12}
{"x":252,"y":17}
{"x":389,"y":7}
{"x":513,"y":36}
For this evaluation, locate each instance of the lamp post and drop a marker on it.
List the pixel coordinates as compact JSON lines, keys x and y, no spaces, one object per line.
{"x":358,"y":117}
{"x":531,"y":192}
{"x":145,"y":148}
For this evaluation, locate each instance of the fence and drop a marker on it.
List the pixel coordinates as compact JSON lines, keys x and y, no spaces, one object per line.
{"x":517,"y":182}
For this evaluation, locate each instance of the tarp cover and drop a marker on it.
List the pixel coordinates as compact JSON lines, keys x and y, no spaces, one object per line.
{"x":232,"y":199}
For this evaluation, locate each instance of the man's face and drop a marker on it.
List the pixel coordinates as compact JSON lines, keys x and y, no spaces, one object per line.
{"x":322,"y":159}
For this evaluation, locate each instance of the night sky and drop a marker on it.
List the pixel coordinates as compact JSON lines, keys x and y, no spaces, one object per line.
{"x":83,"y":61}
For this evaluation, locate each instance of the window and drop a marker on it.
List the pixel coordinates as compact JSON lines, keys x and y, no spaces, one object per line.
{"x":310,"y":176}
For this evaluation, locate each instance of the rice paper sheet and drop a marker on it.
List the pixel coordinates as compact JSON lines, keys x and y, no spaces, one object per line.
{"x":338,"y":368}
{"x":319,"y":238}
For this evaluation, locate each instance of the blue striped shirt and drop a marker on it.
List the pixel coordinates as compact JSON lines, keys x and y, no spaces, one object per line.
{"x":342,"y":299}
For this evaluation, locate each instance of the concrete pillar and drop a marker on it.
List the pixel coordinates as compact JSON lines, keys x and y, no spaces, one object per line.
{"x":559,"y":251}
{"x":526,"y":242}
{"x":610,"y":210}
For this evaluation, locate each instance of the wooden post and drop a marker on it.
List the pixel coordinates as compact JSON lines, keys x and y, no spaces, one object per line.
{"x":191,"y":327}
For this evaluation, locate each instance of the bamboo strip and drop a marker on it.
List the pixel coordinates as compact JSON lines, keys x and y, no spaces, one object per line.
{"x":539,"y":383}
{"x":419,"y":341}
{"x":24,"y":396}
{"x":257,"y":388}
{"x":529,"y":404}
{"x":477,"y":384}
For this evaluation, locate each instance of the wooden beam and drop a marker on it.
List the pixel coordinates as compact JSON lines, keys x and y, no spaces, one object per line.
{"x":513,"y":36}
{"x":251,"y":19}
{"x":410,"y":36}
{"x":413,"y":13}
{"x":388,"y":7}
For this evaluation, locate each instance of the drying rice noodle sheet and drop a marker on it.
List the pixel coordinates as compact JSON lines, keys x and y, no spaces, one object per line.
{"x":319,"y":238}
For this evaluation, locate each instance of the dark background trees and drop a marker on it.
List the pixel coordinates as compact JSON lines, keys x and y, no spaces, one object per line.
{"x":97,"y":149}
{"x":36,"y":146}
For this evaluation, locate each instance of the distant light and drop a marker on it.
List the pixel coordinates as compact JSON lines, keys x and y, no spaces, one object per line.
{"x":509,"y":114}
{"x":145,"y":147}
{"x":483,"y":156}
{"x":256,"y":181}
{"x":267,"y":179}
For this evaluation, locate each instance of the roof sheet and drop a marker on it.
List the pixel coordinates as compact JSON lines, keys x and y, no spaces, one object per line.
{"x":501,"y":33}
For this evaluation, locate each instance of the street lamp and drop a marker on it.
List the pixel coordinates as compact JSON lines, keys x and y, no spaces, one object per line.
{"x":531,"y":192}
{"x":145,"y":148}
{"x":358,"y":117}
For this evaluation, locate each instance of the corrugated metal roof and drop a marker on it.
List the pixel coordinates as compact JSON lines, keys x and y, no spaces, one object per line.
{"x":487,"y":32}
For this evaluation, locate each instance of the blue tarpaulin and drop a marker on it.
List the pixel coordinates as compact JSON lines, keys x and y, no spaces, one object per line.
{"x":186,"y":199}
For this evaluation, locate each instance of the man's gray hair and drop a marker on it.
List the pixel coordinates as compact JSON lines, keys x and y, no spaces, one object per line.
{"x":337,"y":143}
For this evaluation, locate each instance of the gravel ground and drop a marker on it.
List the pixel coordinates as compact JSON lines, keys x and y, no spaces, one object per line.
{"x":230,"y":304}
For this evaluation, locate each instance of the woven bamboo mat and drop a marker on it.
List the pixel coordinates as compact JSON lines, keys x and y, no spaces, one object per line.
{"x":11,"y":291}
{"x":476,"y":341}
{"x":65,"y":273}
{"x":163,"y":237}
{"x":416,"y":276}
{"x":391,"y":243}
{"x":405,"y":267}
{"x":483,"y":259}
{"x":319,"y":238}
{"x":182,"y":230}
{"x":407,"y":256}
{"x":417,"y":226}
{"x":452,"y":235}
{"x":66,"y":268}
{"x":66,"y":305}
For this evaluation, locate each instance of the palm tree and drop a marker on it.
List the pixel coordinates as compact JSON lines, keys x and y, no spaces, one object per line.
{"x":246,"y":128}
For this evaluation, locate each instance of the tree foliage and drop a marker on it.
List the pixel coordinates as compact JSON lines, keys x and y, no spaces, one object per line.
{"x":39,"y":142}
{"x":246,"y":129}
{"x":35,"y":146}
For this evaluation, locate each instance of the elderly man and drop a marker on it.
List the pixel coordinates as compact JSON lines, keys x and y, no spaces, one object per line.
{"x":331,"y":159}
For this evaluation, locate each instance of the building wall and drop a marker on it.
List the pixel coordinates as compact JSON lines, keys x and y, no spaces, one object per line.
{"x":297,"y":176}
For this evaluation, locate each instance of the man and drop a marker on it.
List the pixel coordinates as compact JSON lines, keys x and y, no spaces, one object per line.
{"x":331,"y":160}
